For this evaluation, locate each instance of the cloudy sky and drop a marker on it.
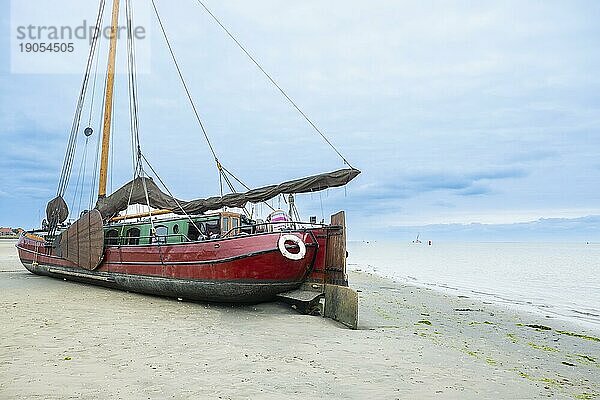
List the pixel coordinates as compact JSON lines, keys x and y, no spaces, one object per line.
{"x":457,"y":112}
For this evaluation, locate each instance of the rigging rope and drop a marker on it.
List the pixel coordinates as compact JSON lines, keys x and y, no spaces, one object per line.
{"x":223,"y":172}
{"x":81,"y":177}
{"x":72,"y":144}
{"x":231,"y":187}
{"x":83,"y":162}
{"x":168,"y":191}
{"x":136,"y":149}
{"x":185,"y":86}
{"x":292,"y":102}
{"x":132,"y":83}
{"x":133,"y":101}
{"x":138,"y":156}
{"x":111,"y":164}
{"x":97,"y":160}
{"x":92,"y":101}
{"x":148,"y":202}
{"x":94,"y":85}
{"x":81,"y":174}
{"x":242,"y":183}
{"x":220,"y":167}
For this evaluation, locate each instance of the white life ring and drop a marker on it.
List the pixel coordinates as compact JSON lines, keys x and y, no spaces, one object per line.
{"x":286,"y":253}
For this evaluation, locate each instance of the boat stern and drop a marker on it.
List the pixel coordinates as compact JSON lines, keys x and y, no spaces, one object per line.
{"x":326,"y":290}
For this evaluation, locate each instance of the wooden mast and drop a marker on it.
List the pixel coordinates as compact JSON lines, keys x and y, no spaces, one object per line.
{"x":108,"y":107}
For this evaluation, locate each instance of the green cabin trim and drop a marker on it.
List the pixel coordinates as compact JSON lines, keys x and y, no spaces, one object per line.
{"x":173,"y":230}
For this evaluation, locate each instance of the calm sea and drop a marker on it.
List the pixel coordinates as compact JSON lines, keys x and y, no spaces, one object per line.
{"x":558,"y":280}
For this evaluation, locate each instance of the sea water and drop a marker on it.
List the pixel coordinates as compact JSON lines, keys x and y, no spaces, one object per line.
{"x":556,"y":280}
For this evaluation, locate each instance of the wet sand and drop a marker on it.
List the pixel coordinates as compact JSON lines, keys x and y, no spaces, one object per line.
{"x":62,"y":339}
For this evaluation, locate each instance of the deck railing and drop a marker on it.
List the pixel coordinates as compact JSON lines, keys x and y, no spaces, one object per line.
{"x":264,"y":225}
{"x":158,"y":239}
{"x":261,"y":227}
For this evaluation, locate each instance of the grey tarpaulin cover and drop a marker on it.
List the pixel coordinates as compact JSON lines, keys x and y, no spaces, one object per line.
{"x":118,"y":201}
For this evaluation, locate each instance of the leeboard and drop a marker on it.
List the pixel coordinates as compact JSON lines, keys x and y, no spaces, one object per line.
{"x":83,"y":242}
{"x":341,"y":304}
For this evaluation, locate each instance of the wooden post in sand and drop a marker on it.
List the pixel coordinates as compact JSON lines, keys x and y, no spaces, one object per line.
{"x":341,"y":302}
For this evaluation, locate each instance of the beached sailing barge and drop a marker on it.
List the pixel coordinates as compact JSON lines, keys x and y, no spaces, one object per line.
{"x":211,"y":249}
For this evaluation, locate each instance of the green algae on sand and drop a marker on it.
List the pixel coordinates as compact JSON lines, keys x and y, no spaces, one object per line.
{"x":579,"y":335}
{"x":542,"y":347}
{"x":586,"y":396}
{"x":513,"y":338}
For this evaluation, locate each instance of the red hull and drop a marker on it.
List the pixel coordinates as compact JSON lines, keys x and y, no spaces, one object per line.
{"x":239,"y":269}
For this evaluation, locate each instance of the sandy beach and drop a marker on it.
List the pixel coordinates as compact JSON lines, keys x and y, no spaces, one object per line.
{"x":62,"y":340}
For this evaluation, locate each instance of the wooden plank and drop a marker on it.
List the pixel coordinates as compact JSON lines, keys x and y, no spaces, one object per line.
{"x":335,"y":261}
{"x":341,"y":304}
{"x":83,"y":242}
{"x":81,"y":275}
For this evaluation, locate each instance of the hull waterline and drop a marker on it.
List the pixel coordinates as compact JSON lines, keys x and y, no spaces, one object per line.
{"x":237,"y":270}
{"x":198,"y":290}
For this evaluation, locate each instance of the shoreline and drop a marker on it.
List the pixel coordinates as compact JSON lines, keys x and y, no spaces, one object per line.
{"x":556,"y":281}
{"x":487,"y":298}
{"x":62,"y":339}
{"x":559,"y":356}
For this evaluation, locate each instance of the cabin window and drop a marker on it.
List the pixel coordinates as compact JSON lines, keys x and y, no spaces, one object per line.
{"x":133,"y":236}
{"x":193,"y":232}
{"x":246,"y":227}
{"x":112,"y":237}
{"x":212,"y":228}
{"x":225,"y":225}
{"x":161,"y":234}
{"x":176,"y":229}
{"x":234,"y":224}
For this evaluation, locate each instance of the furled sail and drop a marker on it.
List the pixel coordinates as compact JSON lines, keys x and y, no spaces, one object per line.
{"x":57,"y":211}
{"x":135,"y":193}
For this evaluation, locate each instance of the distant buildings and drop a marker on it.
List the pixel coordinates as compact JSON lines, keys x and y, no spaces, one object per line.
{"x":6,"y":232}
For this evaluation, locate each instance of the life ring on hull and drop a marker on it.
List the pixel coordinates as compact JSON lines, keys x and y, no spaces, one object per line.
{"x":283,"y":239}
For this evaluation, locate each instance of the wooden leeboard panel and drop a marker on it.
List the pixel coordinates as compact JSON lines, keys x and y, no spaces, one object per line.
{"x":341,"y":304}
{"x":335,"y":262}
{"x":83,"y":242}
